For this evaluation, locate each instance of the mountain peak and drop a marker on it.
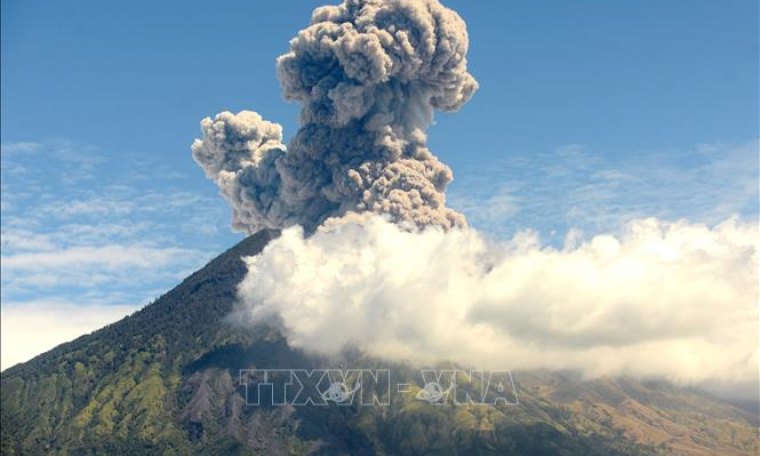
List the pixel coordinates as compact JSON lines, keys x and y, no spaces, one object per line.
{"x":205,"y":296}
{"x":164,"y":381}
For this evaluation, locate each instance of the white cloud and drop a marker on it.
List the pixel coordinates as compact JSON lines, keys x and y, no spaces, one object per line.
{"x":21,"y":239}
{"x":84,"y":232}
{"x":19,"y":147}
{"x":28,"y":329}
{"x":574,"y":186}
{"x":94,"y":207}
{"x":109,"y":257}
{"x":62,"y":239}
{"x":74,"y":162}
{"x":675,"y":300}
{"x":492,"y":209}
{"x":85,"y":267}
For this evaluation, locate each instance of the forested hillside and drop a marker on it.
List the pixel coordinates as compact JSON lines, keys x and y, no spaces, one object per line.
{"x":164,"y":381}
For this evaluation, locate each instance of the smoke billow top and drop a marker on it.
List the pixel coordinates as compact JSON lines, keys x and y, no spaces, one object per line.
{"x":407,"y":280}
{"x":369,"y":74}
{"x":661,"y":299}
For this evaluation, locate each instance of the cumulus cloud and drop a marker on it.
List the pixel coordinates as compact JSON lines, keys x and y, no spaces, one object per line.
{"x":372,"y":258}
{"x":369,"y":75}
{"x":677,"y":300}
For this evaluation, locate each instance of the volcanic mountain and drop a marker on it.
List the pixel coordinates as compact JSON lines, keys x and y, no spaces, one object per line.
{"x":165,"y":381}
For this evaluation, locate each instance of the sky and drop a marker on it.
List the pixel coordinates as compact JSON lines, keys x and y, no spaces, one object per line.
{"x":589,"y":113}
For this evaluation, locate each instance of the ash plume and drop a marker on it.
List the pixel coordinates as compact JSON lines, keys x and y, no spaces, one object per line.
{"x":371,"y":259}
{"x":369,"y":75}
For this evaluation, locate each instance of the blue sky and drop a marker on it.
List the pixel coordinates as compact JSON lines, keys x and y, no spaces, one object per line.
{"x":590,"y":113}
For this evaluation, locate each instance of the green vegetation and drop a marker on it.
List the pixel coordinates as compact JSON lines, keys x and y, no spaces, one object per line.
{"x":164,"y":382}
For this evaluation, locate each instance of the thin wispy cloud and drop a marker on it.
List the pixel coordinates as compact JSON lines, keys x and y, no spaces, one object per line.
{"x":84,"y":242}
{"x":575,"y":187}
{"x":88,"y":251}
{"x":87,"y":266}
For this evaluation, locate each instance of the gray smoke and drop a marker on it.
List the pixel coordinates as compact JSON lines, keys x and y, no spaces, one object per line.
{"x":369,"y":74}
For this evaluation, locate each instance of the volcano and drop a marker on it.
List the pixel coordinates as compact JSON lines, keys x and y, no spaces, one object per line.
{"x":165,"y":380}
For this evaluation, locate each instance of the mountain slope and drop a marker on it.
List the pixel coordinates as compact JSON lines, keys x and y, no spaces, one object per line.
{"x":164,"y":381}
{"x":80,"y":391}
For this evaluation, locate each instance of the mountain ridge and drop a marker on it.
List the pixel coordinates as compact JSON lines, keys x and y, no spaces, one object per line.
{"x":251,"y":245}
{"x":162,"y":381}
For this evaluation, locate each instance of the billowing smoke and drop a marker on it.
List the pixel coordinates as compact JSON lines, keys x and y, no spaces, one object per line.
{"x":369,"y":74}
{"x":375,"y":261}
{"x":677,"y":300}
